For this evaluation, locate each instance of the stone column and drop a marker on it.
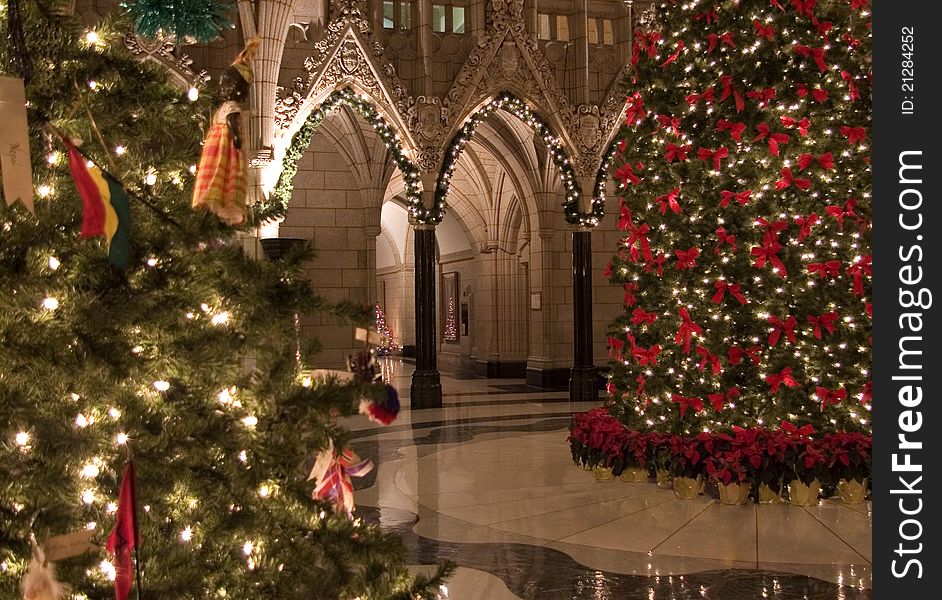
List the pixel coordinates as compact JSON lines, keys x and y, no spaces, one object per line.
{"x":371,"y":232}
{"x":582,"y":381}
{"x":426,"y":383}
{"x":271,"y":21}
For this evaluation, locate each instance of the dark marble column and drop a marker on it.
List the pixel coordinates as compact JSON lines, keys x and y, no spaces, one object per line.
{"x":583,"y":383}
{"x":426,"y":384}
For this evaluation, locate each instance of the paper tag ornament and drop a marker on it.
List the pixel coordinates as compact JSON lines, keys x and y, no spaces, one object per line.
{"x":66,"y":546}
{"x":15,"y":167}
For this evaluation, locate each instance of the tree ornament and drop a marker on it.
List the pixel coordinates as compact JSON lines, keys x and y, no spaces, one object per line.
{"x":188,"y":20}
{"x":40,"y":581}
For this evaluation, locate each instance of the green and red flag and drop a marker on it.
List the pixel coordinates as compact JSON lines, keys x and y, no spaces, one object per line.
{"x":106,"y":209}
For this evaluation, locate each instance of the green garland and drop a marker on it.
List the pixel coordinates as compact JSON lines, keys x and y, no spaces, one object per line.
{"x":522,"y":111}
{"x":277,"y":204}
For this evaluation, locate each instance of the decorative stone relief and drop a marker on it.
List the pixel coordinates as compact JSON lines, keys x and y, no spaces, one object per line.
{"x":504,"y":13}
{"x":163,"y":51}
{"x":587,"y":132}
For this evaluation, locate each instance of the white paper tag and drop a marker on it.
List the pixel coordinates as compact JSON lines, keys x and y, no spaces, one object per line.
{"x":69,"y":545}
{"x":15,"y":167}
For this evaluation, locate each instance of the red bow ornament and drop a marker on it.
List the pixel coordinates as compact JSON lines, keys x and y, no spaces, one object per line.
{"x":644,"y":42}
{"x":735,"y":129}
{"x":803,"y":126}
{"x":851,"y":86}
{"x":803,"y":431}
{"x":854,"y":135}
{"x":815,"y":53}
{"x":657,"y":262}
{"x":862,"y":267}
{"x":768,"y":253}
{"x":826,"y":161}
{"x":719,"y":399}
{"x":722,"y":286}
{"x":727,"y":83}
{"x":779,"y":327}
{"x":639,"y":234}
{"x":695,"y":403}
{"x":831,"y":268}
{"x":687,"y":328}
{"x":669,"y":201}
{"x":828,"y":397}
{"x":639,"y":316}
{"x":677,"y":153}
{"x":706,"y":96}
{"x":805,"y":7}
{"x":763,"y":31}
{"x":775,"y":380}
{"x":708,"y":358}
{"x":671,"y":124}
{"x":727,"y":196}
{"x":827,"y":320}
{"x":726,"y":38}
{"x":635,"y":110}
{"x":724,"y":238}
{"x":646,"y":356}
{"x":774,"y":138}
{"x":839,"y":212}
{"x":626,"y":174}
{"x":707,"y":154}
{"x":624,"y":221}
{"x":788,"y":180}
{"x":615,"y":346}
{"x":707,"y":16}
{"x":735,"y":355}
{"x":673,"y":57}
{"x":772,"y":229}
{"x":818,"y":94}
{"x":805,"y":224}
{"x":763,"y":96}
{"x":630,"y":289}
{"x":687,"y":259}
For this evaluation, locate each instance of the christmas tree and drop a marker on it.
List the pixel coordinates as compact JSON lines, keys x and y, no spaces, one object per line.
{"x":745,"y":194}
{"x":387,"y":340}
{"x":185,"y":359}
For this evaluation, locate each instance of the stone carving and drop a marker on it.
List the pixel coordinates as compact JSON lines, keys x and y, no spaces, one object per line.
{"x":508,"y":61}
{"x":162,"y":50}
{"x":504,"y":13}
{"x":587,"y":132}
{"x":426,"y":120}
{"x":349,"y":56}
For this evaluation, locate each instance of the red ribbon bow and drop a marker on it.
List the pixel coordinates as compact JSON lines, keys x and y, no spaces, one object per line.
{"x":640,"y":389}
{"x":735,"y":129}
{"x":672,"y":124}
{"x":828,"y":397}
{"x":658,"y":262}
{"x":818,"y":94}
{"x":763,"y":31}
{"x":626,"y":173}
{"x":763,"y":97}
{"x":630,"y":289}
{"x":635,"y":110}
{"x":727,"y":196}
{"x":824,"y":27}
{"x":719,"y":399}
{"x":708,"y":16}
{"x":805,"y":224}
{"x":774,"y":138}
{"x":805,"y":7}
{"x":802,"y":125}
{"x":816,"y":53}
{"x":851,"y":86}
{"x":646,"y":356}
{"x":644,"y":42}
{"x":708,"y":358}
{"x":640,"y":316}
{"x":687,"y":327}
{"x":827,"y":320}
{"x":862,"y":267}
{"x":675,"y":152}
{"x":669,"y":200}
{"x":673,"y":57}
{"x":724,"y":238}
{"x":777,"y":379}
{"x":695,"y":403}
{"x":854,"y":134}
{"x":707,"y":154}
{"x":735,"y":354}
{"x":768,"y":253}
{"x":839,"y":212}
{"x":727,"y":82}
{"x":726,"y":38}
{"x":722,"y":286}
{"x":624,"y":221}
{"x":826,"y":161}
{"x":831,"y":268}
{"x":615,"y":346}
{"x":639,"y":234}
{"x":706,"y":96}
{"x":788,"y":180}
{"x":779,"y":327}
{"x":772,"y":229}
{"x":803,"y":431}
{"x":687,"y":259}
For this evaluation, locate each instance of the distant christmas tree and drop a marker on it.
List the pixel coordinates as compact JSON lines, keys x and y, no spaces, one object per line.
{"x":744,"y":177}
{"x":387,"y":341}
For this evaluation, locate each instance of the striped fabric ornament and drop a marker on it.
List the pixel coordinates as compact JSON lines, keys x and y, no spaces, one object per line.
{"x":106,"y":209}
{"x":332,"y":473}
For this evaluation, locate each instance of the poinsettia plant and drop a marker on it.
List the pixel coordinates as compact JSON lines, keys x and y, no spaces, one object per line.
{"x":688,"y":454}
{"x":805,"y":459}
{"x":848,"y":455}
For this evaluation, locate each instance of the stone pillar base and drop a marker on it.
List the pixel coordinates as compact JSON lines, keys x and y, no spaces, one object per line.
{"x":426,"y":390}
{"x":583,"y":385}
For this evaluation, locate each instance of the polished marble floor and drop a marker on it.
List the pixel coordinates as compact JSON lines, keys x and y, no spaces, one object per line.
{"x":487,"y":482}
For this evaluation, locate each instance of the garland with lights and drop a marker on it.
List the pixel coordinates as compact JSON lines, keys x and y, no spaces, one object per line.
{"x":744,"y":176}
{"x":276,"y":206}
{"x":522,"y":111}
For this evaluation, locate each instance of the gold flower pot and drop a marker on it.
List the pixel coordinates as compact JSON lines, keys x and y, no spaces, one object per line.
{"x":733,"y":493}
{"x":663,"y":479}
{"x":852,"y":492}
{"x":800,"y":494}
{"x":603,"y":473}
{"x":686,"y":488}
{"x":634,"y":475}
{"x":767,"y":496}
{"x":587,"y":467}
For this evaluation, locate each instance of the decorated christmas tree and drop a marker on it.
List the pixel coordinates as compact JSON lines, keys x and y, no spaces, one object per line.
{"x":387,"y":340}
{"x":166,"y":344}
{"x":745,"y":194}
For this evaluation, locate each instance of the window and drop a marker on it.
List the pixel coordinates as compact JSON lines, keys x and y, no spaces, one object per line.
{"x":562,"y":28}
{"x":438,"y":18}
{"x":608,"y":35}
{"x":457,"y":19}
{"x":389,"y":15}
{"x":544,"y":27}
{"x":397,"y":14}
{"x":592,"y":31}
{"x":405,"y":15}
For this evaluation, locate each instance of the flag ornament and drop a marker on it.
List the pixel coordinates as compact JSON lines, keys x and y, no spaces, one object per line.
{"x":124,"y":537}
